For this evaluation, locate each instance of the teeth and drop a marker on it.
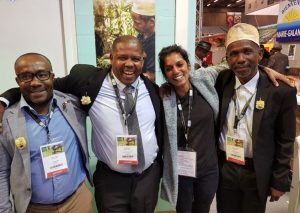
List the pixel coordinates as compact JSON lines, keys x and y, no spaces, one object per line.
{"x":128,"y":73}
{"x":37,"y":91}
{"x":178,"y":77}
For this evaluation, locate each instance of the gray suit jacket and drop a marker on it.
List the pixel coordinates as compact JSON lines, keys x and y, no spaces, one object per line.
{"x":15,"y":173}
{"x":204,"y":81}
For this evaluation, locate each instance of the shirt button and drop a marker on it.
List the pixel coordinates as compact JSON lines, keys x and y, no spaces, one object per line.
{"x":28,"y":189}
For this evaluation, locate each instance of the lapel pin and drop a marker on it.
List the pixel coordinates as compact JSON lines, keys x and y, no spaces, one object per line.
{"x":85,"y":100}
{"x":260,"y":104}
{"x":64,"y":105}
{"x":20,"y":143}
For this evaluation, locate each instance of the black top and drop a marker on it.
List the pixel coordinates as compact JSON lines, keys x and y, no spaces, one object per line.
{"x":149,"y":48}
{"x":202,"y":131}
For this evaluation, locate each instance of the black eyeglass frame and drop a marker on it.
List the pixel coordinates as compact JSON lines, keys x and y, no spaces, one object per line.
{"x":38,"y":75}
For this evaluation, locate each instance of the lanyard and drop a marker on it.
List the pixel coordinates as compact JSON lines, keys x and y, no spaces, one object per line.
{"x":38,"y":120}
{"x":189,"y":122}
{"x":117,"y":92}
{"x":237,"y":116}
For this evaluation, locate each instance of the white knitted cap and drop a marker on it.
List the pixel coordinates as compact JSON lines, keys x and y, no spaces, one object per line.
{"x":242,"y":31}
{"x":144,"y":7}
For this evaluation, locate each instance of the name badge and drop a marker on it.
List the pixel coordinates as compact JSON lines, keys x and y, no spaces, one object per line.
{"x":235,"y":149}
{"x":186,"y":163}
{"x":127,"y":149}
{"x":54,"y":159}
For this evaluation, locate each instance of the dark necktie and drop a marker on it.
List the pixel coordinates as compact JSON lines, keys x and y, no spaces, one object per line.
{"x":133,"y":126}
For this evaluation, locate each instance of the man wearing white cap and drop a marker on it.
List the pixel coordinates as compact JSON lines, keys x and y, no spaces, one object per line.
{"x":143,"y":17}
{"x":257,"y":128}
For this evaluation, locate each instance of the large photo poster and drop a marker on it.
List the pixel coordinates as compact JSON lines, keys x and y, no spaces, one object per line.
{"x":114,"y":18}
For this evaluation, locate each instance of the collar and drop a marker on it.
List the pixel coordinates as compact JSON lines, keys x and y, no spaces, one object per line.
{"x":250,"y":85}
{"x":121,"y":86}
{"x":23,"y":104}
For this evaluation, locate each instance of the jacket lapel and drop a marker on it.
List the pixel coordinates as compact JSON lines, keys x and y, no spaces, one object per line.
{"x":261,"y":94}
{"x":227,"y":95}
{"x":17,"y":119}
{"x":93,"y":87}
{"x":65,"y":106}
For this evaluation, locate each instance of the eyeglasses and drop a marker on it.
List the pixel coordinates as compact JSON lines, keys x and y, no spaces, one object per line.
{"x":42,"y":75}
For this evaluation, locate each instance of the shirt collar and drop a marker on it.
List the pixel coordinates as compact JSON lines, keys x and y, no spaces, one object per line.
{"x":23,"y":103}
{"x":250,"y":85}
{"x":121,"y":86}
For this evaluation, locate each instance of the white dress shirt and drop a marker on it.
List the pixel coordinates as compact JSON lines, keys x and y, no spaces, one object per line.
{"x":244,"y":128}
{"x":107,"y":122}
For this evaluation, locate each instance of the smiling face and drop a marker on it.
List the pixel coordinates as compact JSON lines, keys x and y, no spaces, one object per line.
{"x":243,"y":57}
{"x":176,"y":71}
{"x":37,"y":93}
{"x":127,"y":60}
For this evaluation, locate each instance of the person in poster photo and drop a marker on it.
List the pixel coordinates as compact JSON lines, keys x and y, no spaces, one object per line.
{"x":143,"y":17}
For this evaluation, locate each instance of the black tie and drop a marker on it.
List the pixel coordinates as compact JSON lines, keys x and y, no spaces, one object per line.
{"x":133,"y":126}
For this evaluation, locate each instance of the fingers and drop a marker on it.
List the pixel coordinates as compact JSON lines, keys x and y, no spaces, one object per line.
{"x":275,"y":195}
{"x":274,"y":81}
{"x":291,"y":81}
{"x":164,"y":90}
{"x":274,"y":198}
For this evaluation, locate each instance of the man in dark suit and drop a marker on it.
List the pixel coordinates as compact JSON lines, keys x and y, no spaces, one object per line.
{"x":257,"y":128}
{"x":121,"y":185}
{"x":278,"y":61}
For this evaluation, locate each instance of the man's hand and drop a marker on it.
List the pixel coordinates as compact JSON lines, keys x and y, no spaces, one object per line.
{"x":274,"y":76}
{"x":2,"y":108}
{"x":150,"y":76}
{"x":164,"y":90}
{"x":275,"y":194}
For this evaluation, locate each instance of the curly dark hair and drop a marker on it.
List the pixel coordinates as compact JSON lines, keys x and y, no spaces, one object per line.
{"x":166,"y":51}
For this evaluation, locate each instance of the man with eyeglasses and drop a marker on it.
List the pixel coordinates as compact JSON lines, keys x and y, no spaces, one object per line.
{"x":43,"y":149}
{"x":122,"y":104}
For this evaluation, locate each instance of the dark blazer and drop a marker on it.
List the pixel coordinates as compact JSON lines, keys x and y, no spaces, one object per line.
{"x":86,"y":80}
{"x":273,"y":130}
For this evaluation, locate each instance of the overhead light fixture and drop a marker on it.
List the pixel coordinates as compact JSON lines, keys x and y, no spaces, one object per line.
{"x":208,"y":5}
{"x":216,"y":0}
{"x":238,"y":1}
{"x":228,"y":5}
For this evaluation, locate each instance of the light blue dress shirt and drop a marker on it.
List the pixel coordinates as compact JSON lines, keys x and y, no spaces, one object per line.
{"x":55,"y":189}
